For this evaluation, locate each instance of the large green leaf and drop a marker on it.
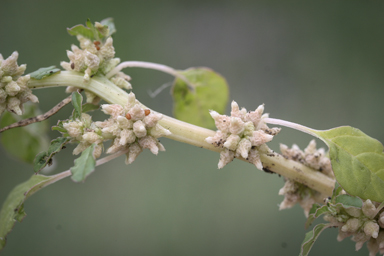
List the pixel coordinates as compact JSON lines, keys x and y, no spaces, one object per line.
{"x":84,"y":165}
{"x":311,"y":237}
{"x":13,"y":207}
{"x":210,"y":92}
{"x":357,"y":161}
{"x":24,"y":142}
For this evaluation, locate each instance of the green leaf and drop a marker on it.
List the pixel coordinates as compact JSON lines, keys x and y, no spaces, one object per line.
{"x":311,"y":237}
{"x":210,"y":93}
{"x":89,"y":107}
{"x":357,"y":161}
{"x":24,"y":142}
{"x":77,"y":100}
{"x":91,"y":32}
{"x":44,"y":72}
{"x":45,"y":157}
{"x":110,"y":24}
{"x":13,"y":207}
{"x":81,"y":30}
{"x":84,"y":165}
{"x":315,"y":212}
{"x":349,"y":201}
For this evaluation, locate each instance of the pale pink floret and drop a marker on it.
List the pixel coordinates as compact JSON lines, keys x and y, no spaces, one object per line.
{"x":152,"y":119}
{"x":236,"y":125}
{"x":136,"y":112}
{"x":259,"y":138}
{"x":134,"y":151}
{"x":222,"y":122}
{"x":232,"y":142}
{"x":150,"y":143}
{"x":127,"y":137}
{"x":139,"y":129}
{"x":243,"y":148}
{"x":226,"y":156}
{"x":114,"y":110}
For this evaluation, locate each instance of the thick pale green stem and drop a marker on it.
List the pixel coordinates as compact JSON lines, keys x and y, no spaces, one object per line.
{"x":188,"y":133}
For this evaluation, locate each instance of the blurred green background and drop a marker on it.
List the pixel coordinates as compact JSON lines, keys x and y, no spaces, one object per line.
{"x":318,"y":63}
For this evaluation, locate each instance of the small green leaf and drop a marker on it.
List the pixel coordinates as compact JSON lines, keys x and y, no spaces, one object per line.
{"x":24,"y":142}
{"x":311,"y":237}
{"x":82,"y":30}
{"x":84,"y":165}
{"x":357,"y":161}
{"x":349,"y":201}
{"x":110,"y":24}
{"x":44,"y":72}
{"x":90,"y":31}
{"x":77,"y":100}
{"x":13,"y":207}
{"x":210,"y":93}
{"x":89,"y":107}
{"x":44,"y":158}
{"x":315,"y":212}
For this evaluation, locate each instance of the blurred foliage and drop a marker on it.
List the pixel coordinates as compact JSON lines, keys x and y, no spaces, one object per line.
{"x":315,"y":63}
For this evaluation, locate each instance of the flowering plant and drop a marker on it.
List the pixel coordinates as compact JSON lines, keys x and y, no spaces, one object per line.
{"x":354,"y":160}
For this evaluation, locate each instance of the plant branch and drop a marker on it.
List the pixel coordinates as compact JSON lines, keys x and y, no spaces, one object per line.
{"x":39,"y":118}
{"x":188,"y":133}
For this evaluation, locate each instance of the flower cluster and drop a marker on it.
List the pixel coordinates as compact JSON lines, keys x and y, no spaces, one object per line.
{"x":241,"y":135}
{"x":14,"y":91}
{"x":93,"y":57}
{"x":364,"y":224}
{"x":131,"y":127}
{"x":295,"y":192}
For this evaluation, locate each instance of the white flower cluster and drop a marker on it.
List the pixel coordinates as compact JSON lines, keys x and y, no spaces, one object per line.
{"x":131,"y":127}
{"x":364,"y":224}
{"x":14,"y":91}
{"x":241,"y":135}
{"x":95,"y":57}
{"x":295,"y":192}
{"x":85,"y":132}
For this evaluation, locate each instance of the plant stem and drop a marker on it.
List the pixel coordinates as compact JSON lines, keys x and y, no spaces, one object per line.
{"x":191,"y":134}
{"x":149,"y":65}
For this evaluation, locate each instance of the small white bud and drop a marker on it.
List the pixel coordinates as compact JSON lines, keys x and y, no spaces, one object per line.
{"x":371,"y":229}
{"x":352,"y":225}
{"x":12,"y":88}
{"x":259,"y":138}
{"x":222,"y":122}
{"x":112,"y":109}
{"x":243,"y":148}
{"x":158,"y":131}
{"x":254,"y":158}
{"x":139,"y":129}
{"x":127,"y":137}
{"x":226,"y":156}
{"x":92,"y":137}
{"x":14,"y":105}
{"x":354,"y":212}
{"x":136,"y":112}
{"x":134,"y":151}
{"x":236,"y":125}
{"x":369,"y":209}
{"x":232,"y":142}
{"x":124,"y":123}
{"x":150,"y":143}
{"x":152,"y":119}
